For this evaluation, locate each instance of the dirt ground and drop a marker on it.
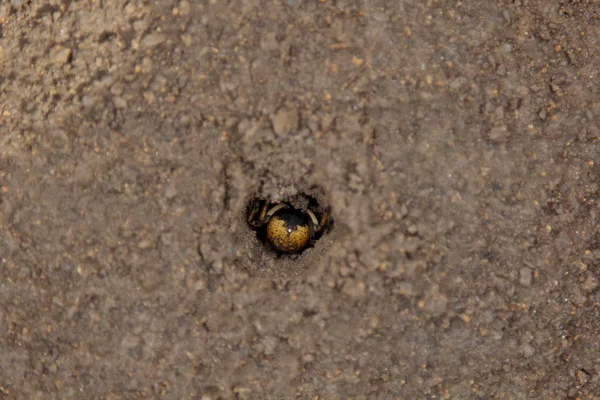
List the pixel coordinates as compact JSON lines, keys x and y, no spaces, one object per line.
{"x":457,"y":143}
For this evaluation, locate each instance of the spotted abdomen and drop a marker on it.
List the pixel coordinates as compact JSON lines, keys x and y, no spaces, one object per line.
{"x":288,"y":231}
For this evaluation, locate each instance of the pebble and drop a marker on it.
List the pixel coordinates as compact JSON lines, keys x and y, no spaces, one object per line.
{"x":527,"y":350}
{"x":170,"y":190}
{"x":120,"y":102}
{"x":435,"y":303}
{"x":117,"y":89}
{"x":152,"y":40}
{"x":60,"y":55}
{"x":145,"y":244}
{"x":149,"y":97}
{"x":184,"y":7}
{"x":458,"y":82}
{"x":84,"y":173}
{"x":590,"y":284}
{"x":354,"y":289}
{"x":499,"y":134}
{"x":88,"y":101}
{"x":525,"y":276}
{"x":571,"y":57}
{"x":380,"y":16}
{"x":140,"y":25}
{"x":556,"y":90}
{"x":285,"y":121}
{"x":582,"y":377}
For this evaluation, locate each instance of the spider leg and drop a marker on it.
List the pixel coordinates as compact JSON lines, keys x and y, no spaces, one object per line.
{"x":258,"y":215}
{"x":275,"y":209}
{"x":318,"y":226}
{"x":313,"y":218}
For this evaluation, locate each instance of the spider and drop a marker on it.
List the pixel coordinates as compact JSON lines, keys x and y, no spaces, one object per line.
{"x":287,"y":229}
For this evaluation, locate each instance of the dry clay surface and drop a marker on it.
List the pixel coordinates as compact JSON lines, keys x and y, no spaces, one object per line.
{"x":457,"y":143}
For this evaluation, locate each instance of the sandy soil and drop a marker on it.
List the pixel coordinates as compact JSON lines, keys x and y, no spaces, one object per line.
{"x":457,"y":142}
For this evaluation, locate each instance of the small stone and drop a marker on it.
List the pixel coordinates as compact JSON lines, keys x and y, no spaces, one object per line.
{"x":60,"y":55}
{"x":499,"y":114}
{"x":120,"y":102}
{"x":413,"y":229}
{"x":308,"y":358}
{"x":527,"y":350}
{"x":556,"y":89}
{"x":501,"y":70}
{"x":117,"y":89}
{"x":199,"y":285}
{"x":499,"y":134}
{"x":140,"y":25}
{"x":578,"y":297}
{"x":268,"y":344}
{"x":458,"y":82}
{"x":84,"y":173}
{"x":186,"y":39}
{"x":590,"y":284}
{"x":150,"y":280}
{"x":88,"y":101}
{"x":582,"y":377}
{"x":170,"y":190}
{"x":184,"y":7}
{"x":380,"y":17}
{"x":130,"y":8}
{"x":130,"y":341}
{"x":149,"y":97}
{"x":435,"y":303}
{"x":354,"y":289}
{"x":525,"y":276}
{"x":145,"y":244}
{"x":285,"y":121}
{"x":571,"y":57}
{"x":153,"y":40}
{"x":535,"y":88}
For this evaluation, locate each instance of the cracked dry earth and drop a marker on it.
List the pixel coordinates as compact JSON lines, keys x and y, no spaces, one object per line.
{"x":457,"y":143}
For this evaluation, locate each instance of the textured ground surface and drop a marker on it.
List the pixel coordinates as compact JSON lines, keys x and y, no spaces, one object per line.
{"x":458,"y":143}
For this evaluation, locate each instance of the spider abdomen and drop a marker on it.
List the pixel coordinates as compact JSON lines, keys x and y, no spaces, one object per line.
{"x":288,"y":231}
